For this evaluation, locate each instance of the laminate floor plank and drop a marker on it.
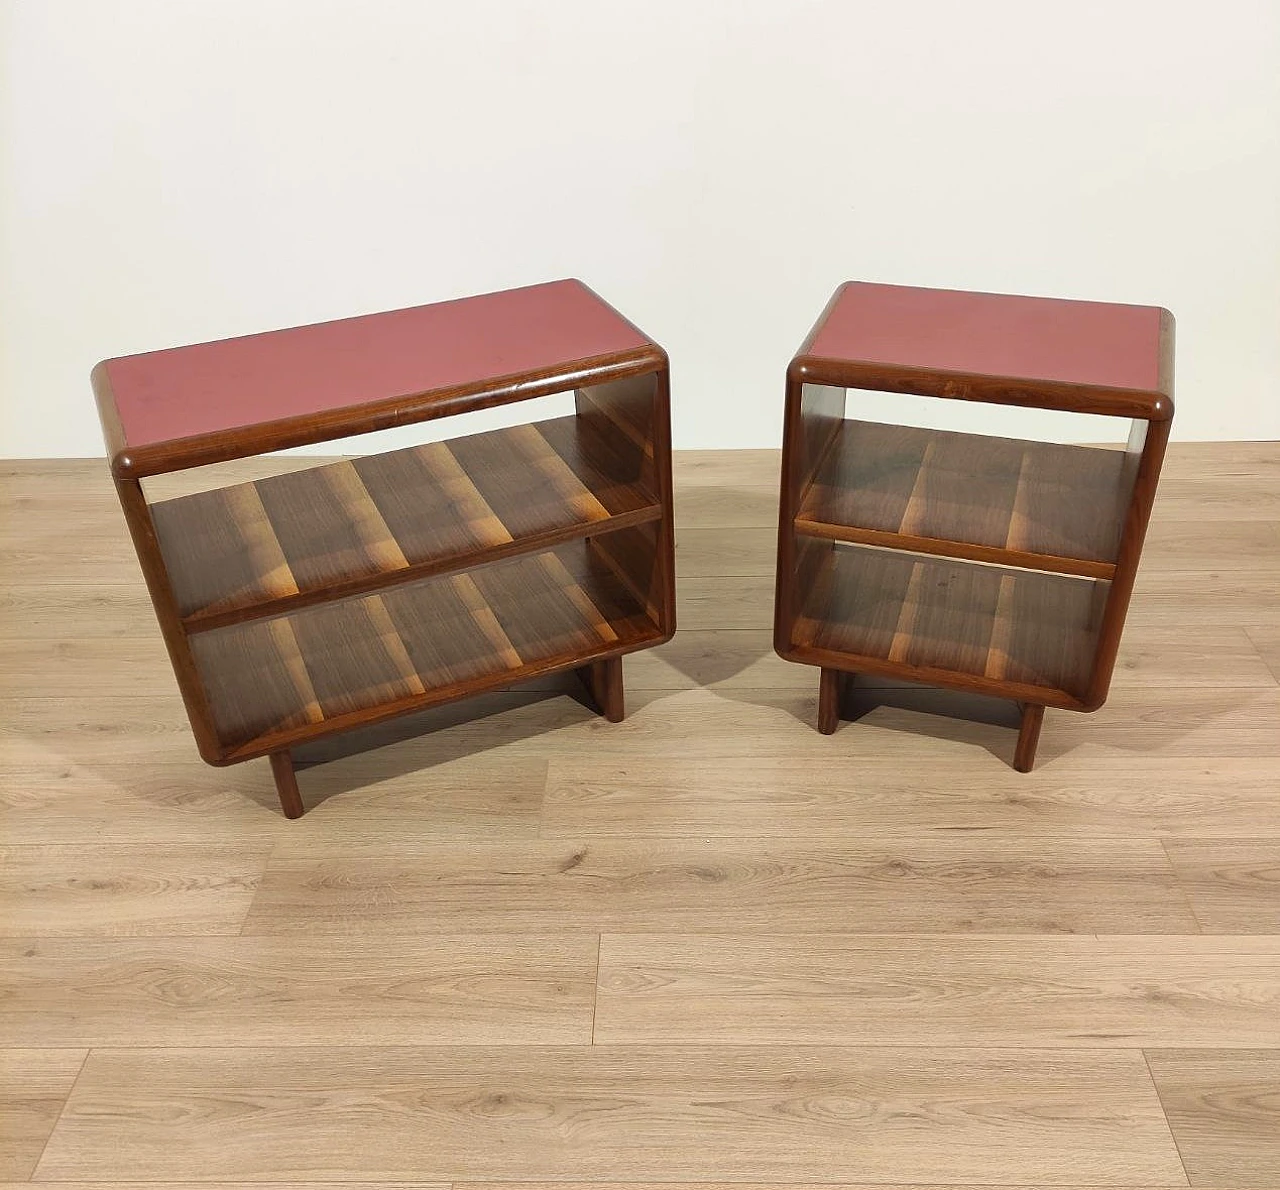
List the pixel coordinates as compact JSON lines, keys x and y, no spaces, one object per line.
{"x":1224,"y":1109}
{"x":1233,"y":885}
{"x":255,"y":1185}
{"x":34,"y":1085}
{"x":948,"y":991}
{"x":772,"y":1185}
{"x":607,"y":1112}
{"x":400,"y":988}
{"x":299,"y":990}
{"x":72,"y":777}
{"x":859,"y":793}
{"x":87,"y":889}
{"x":1266,"y":641}
{"x":963,"y":883}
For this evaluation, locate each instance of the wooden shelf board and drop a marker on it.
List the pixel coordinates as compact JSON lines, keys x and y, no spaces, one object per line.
{"x":275,"y":683}
{"x":283,"y":543}
{"x":1028,"y":504}
{"x":1014,"y":633}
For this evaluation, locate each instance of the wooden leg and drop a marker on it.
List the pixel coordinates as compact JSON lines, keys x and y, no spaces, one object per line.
{"x":1024,"y":757}
{"x":286,"y":784}
{"x":829,"y":701}
{"x":603,"y":680}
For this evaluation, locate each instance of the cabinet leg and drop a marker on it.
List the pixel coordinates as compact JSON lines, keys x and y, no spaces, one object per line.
{"x":286,"y":784}
{"x":603,"y":680}
{"x":1024,"y":756}
{"x":828,"y":701}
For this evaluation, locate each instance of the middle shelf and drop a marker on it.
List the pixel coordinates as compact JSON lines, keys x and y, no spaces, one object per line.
{"x":281,"y":543}
{"x":1032,"y":504}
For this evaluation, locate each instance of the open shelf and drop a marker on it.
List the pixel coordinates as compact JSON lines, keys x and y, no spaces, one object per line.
{"x":1029,"y":504}
{"x":274,"y":683}
{"x":985,"y":628}
{"x":279,"y":544}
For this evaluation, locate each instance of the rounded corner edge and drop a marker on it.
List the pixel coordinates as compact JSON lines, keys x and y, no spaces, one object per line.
{"x":124,"y":465}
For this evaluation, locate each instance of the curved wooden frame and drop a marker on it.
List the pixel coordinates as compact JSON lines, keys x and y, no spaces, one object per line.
{"x":588,"y":562}
{"x":815,"y":418}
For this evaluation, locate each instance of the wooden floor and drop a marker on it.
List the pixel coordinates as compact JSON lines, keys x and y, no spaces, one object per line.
{"x":704,"y":945}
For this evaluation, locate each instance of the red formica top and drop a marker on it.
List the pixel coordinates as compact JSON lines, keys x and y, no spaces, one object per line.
{"x":294,"y":376}
{"x":1087,"y":344}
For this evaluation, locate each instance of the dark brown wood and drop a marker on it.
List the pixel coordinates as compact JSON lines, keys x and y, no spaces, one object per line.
{"x":1024,"y":757}
{"x":314,"y":535}
{"x":1146,"y":447}
{"x":1031,"y":504}
{"x":327,"y":599}
{"x":958,"y":386}
{"x":603,"y":682}
{"x":639,"y":410}
{"x":986,"y":565}
{"x":137,"y":515}
{"x":950,"y":623}
{"x":286,"y":784}
{"x":828,"y":700}
{"x":274,"y":683}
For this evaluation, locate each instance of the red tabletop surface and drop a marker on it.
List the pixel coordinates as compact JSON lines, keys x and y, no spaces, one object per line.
{"x":990,"y":334}
{"x":233,"y":383}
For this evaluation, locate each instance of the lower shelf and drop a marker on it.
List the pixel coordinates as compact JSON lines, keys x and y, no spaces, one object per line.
{"x":901,"y":613}
{"x":274,"y":683}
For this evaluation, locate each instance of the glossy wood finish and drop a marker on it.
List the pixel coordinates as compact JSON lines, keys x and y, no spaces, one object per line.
{"x":700,"y":880}
{"x":326,"y":598}
{"x":1024,"y":758}
{"x":276,"y":683}
{"x":1018,"y":633}
{"x":603,"y":681}
{"x":1029,"y":504}
{"x":1042,"y":541}
{"x":313,"y":535}
{"x":286,"y":784}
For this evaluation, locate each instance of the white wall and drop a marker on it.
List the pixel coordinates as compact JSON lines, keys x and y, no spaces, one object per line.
{"x":177,"y":171}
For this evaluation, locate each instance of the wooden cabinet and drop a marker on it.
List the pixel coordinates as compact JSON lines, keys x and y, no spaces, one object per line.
{"x":980,"y":563}
{"x":329,"y":598}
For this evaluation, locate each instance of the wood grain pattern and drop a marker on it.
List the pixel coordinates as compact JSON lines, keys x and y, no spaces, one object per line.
{"x":1224,"y":1109}
{"x":965,"y":884}
{"x":1117,"y":992}
{"x":609,"y":1112}
{"x":299,"y":991}
{"x":717,"y":823}
{"x":984,"y":502}
{"x":251,"y":1185}
{"x":275,"y":683}
{"x":1267,"y":643}
{"x":979,"y":627}
{"x":772,"y":1185}
{"x":703,"y":788}
{"x":34,"y":1084}
{"x":1037,"y":504}
{"x":1233,"y":884}
{"x":307,"y":544}
{"x":351,"y":526}
{"x":126,"y":890}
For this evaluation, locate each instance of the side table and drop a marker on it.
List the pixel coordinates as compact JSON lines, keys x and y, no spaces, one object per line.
{"x":979,"y":563}
{"x":338,"y":596}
